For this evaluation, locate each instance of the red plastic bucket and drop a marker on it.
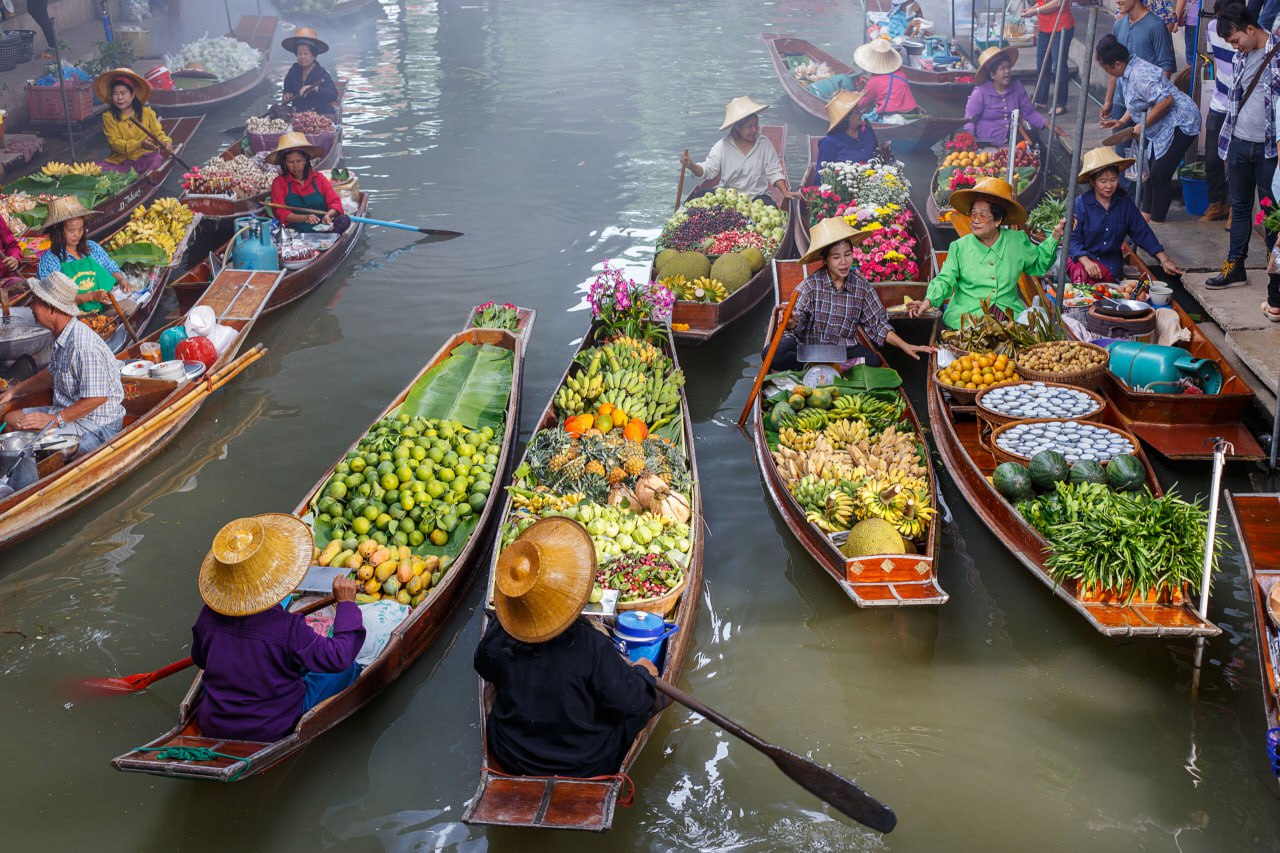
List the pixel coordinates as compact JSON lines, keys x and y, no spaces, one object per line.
{"x":159,"y":77}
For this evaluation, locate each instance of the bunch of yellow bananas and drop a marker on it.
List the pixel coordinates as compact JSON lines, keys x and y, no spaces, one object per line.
{"x":57,"y":169}
{"x":164,"y":224}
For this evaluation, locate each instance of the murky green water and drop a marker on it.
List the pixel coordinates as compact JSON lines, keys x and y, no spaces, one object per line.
{"x":548,"y":132}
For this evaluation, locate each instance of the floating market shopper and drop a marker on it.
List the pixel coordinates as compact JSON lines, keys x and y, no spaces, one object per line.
{"x":126,"y":93}
{"x":744,"y":160}
{"x":991,"y":104}
{"x":987,"y":263}
{"x":1105,"y":216}
{"x":307,"y":85}
{"x":888,"y":90}
{"x":265,"y":667}
{"x":849,"y":139}
{"x":80,"y":259}
{"x":566,"y":703}
{"x":82,"y":373}
{"x":834,"y":303}
{"x":298,"y":185}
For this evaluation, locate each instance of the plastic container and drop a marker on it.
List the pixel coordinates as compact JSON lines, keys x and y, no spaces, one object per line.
{"x":159,"y":77}
{"x":45,"y":102}
{"x":1195,"y":195}
{"x":1161,"y":294}
{"x":169,"y":340}
{"x":134,"y":36}
{"x":10,"y":51}
{"x":27,"y":50}
{"x":1159,"y":368}
{"x":639,"y":634}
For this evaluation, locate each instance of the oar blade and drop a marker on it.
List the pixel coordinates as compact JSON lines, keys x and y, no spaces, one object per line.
{"x":833,"y":788}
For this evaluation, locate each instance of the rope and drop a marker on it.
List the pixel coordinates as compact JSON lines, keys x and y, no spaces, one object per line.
{"x":194,"y":753}
{"x":626,"y":799}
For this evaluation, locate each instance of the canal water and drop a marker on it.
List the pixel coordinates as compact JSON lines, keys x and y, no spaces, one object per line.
{"x":549,"y":133}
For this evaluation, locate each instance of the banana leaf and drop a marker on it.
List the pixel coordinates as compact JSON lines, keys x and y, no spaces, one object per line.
{"x":472,"y":387}
{"x":146,"y":254}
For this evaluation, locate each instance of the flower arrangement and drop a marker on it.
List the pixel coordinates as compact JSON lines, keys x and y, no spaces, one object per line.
{"x":875,"y":182}
{"x":962,"y":141}
{"x":961,"y":179}
{"x":887,"y":255}
{"x":491,"y":315}
{"x":822,"y":203}
{"x":626,"y":307}
{"x":862,"y":216}
{"x":1269,"y":216}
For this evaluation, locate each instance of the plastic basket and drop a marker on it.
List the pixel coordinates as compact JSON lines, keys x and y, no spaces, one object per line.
{"x":10,"y":51}
{"x":45,"y":102}
{"x":27,"y":50}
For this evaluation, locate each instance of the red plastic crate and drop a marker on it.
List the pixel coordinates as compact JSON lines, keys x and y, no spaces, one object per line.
{"x":45,"y":102}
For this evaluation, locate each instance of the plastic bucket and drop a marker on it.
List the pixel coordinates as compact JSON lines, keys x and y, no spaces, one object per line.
{"x":1195,"y":195}
{"x":159,"y":77}
{"x":639,"y":634}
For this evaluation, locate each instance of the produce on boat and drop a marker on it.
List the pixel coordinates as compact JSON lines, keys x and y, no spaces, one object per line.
{"x":222,"y":57}
{"x":217,"y":70}
{"x":963,"y":163}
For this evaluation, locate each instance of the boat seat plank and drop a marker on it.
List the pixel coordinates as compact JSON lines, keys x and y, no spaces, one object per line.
{"x":1195,"y":441}
{"x":1259,"y":533}
{"x":536,"y":801}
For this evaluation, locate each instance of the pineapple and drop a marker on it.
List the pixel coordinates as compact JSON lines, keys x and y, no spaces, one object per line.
{"x":558,"y":462}
{"x":617,"y":475}
{"x":574,"y":468}
{"x":631,"y":457}
{"x":595,"y":467}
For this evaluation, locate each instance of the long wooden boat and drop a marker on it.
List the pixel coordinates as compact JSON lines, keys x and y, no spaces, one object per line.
{"x":956,"y":432}
{"x":409,"y":640}
{"x":705,"y":319}
{"x":918,"y":133}
{"x":155,"y":411}
{"x":559,"y":802}
{"x":1257,"y":522}
{"x":296,"y":283}
{"x":258,"y":33}
{"x":883,"y":580}
{"x":949,"y":82}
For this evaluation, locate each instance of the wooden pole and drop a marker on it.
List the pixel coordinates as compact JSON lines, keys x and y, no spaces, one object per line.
{"x":680,"y":186}
{"x":1076,"y":155}
{"x":768,"y":358}
{"x":128,"y":327}
{"x":62,"y":90}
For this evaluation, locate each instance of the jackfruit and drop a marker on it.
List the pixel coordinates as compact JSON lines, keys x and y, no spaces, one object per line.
{"x":871,"y":537}
{"x":754,"y":257}
{"x":691,"y":265}
{"x":732,"y":270}
{"x":663,"y":257}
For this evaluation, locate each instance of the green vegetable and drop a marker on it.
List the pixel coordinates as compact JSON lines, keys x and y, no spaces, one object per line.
{"x":1044,"y":217}
{"x":1013,"y":481}
{"x":1125,"y":473}
{"x":1087,"y":471}
{"x":782,"y":415}
{"x":1048,"y":468}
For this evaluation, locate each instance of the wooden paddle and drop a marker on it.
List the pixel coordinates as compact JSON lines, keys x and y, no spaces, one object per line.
{"x":680,"y":186}
{"x":128,"y":327}
{"x":768,"y":359}
{"x":824,"y":784}
{"x":440,"y":232}
{"x":174,"y":154}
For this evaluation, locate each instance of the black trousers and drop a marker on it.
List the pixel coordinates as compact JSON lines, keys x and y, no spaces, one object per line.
{"x":1158,"y":190}
{"x":786,"y":356}
{"x":1215,"y":170}
{"x":39,"y":10}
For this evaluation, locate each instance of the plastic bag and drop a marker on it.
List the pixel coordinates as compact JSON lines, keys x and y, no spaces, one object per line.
{"x":380,"y":619}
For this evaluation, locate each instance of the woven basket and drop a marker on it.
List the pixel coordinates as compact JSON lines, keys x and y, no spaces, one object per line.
{"x":27,"y":50}
{"x":1087,"y":379}
{"x":663,"y":604}
{"x":1003,"y":455}
{"x":996,"y":419}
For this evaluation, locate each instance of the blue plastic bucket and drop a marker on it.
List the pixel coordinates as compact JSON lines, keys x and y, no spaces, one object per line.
{"x":638,"y":634}
{"x":1195,"y":195}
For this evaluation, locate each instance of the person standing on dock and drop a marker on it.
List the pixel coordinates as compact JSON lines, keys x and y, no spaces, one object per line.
{"x":1147,"y":38}
{"x":1215,"y":169}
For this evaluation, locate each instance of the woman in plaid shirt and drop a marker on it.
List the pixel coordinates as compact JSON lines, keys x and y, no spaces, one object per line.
{"x":834,"y":303}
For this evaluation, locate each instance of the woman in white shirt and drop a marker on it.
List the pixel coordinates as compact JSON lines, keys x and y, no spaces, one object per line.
{"x":744,"y":160}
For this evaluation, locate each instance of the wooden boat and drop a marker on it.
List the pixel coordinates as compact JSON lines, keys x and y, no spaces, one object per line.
{"x":1028,"y":198}
{"x":883,"y":580}
{"x":918,"y":133}
{"x":560,"y":802}
{"x":1257,"y":522}
{"x":257,"y":32}
{"x":949,"y":82}
{"x":956,"y":433}
{"x":408,"y":642}
{"x":155,"y":410}
{"x":296,"y":283}
{"x":706,"y":319}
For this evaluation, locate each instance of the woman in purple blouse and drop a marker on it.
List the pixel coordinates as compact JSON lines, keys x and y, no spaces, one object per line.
{"x":996,"y":96}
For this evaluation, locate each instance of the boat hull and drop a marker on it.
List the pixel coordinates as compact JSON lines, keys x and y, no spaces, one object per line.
{"x":259,"y":33}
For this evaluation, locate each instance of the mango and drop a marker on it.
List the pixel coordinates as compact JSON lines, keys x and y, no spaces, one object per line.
{"x":372,"y":586}
{"x":419,"y":565}
{"x":417,"y":599}
{"x":433,"y":563}
{"x":380,"y":556}
{"x":403,"y":597}
{"x":405,"y":572}
{"x":363,"y":598}
{"x":414,"y":585}
{"x":435,"y":578}
{"x":330,"y":551}
{"x":364,"y":573}
{"x":341,"y":559}
{"x":391,"y":586}
{"x":385,"y":569}
{"x":404,"y":552}
{"x":353,"y":562}
{"x":367,"y":547}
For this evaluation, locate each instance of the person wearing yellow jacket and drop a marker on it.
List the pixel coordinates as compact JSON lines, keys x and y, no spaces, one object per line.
{"x":126,"y":93}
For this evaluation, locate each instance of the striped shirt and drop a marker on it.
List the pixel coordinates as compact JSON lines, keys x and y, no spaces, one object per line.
{"x":82,"y":366}
{"x":824,"y":315}
{"x":1266,"y":89}
{"x":1223,"y":53}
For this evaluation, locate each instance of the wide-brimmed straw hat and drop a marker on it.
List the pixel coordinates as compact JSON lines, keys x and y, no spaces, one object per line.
{"x":839,"y":107}
{"x":304,"y":34}
{"x":877,"y":57}
{"x":992,"y":189}
{"x":293,"y":141}
{"x":544,"y":579}
{"x":828,"y":232}
{"x":254,"y":563}
{"x":56,"y":290}
{"x":987,"y":59}
{"x":740,"y":108}
{"x":66,"y":207}
{"x":135,"y":81}
{"x":1097,"y":159}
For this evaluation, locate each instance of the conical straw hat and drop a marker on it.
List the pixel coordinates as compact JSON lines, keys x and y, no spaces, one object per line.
{"x":840,"y":105}
{"x":988,"y":57}
{"x":1096,"y":159}
{"x":828,"y":232}
{"x":877,"y":56}
{"x":992,"y":189}
{"x":293,"y":141}
{"x":66,"y":207}
{"x":544,"y":579}
{"x":740,"y":108}
{"x":102,"y":85}
{"x":304,"y":34}
{"x":254,"y":563}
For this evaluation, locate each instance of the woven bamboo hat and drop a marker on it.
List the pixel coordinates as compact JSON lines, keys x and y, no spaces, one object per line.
{"x":828,"y":232}
{"x":740,"y":108}
{"x":987,"y":59}
{"x":254,"y":563}
{"x":992,"y":189}
{"x":839,"y":107}
{"x":135,"y":81}
{"x":293,"y":141}
{"x":1097,"y":159}
{"x":304,"y":35}
{"x":56,"y":290}
{"x":66,"y":207}
{"x":877,"y":56}
{"x":544,"y":579}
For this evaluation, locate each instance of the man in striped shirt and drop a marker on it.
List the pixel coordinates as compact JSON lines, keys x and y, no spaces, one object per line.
{"x":1215,"y":169}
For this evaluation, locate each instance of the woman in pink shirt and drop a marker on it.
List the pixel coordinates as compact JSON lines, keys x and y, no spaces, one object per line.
{"x":887,"y":91}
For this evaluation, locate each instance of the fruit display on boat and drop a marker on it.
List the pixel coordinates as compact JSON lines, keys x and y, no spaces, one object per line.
{"x":963,"y":164}
{"x":715,"y":243}
{"x":163,"y":224}
{"x":56,"y":169}
{"x":978,"y":371}
{"x":633,"y":378}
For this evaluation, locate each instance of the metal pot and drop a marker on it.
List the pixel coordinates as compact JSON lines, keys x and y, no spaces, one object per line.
{"x":67,"y":445}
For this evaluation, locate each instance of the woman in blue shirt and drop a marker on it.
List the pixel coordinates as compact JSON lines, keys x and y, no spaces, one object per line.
{"x":849,"y":139}
{"x":307,"y":86}
{"x":1104,"y":217}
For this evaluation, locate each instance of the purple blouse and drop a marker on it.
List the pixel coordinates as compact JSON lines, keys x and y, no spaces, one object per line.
{"x":987,"y":112}
{"x":254,"y":666}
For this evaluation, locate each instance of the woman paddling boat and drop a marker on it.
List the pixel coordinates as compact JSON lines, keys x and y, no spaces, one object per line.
{"x":299,"y":186}
{"x":995,"y":96}
{"x":308,"y":86}
{"x":140,"y":148}
{"x":744,"y":160}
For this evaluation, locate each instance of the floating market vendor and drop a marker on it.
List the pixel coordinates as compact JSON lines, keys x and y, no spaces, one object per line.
{"x":82,"y":373}
{"x":298,"y":185}
{"x":82,"y":260}
{"x":744,"y":160}
{"x":849,"y":139}
{"x":10,"y":252}
{"x":887,"y":91}
{"x":834,"y":303}
{"x":265,"y":667}
{"x":126,"y":93}
{"x":987,"y":263}
{"x":566,"y":703}
{"x":996,"y":95}
{"x":1105,"y":216}
{"x":307,"y":85}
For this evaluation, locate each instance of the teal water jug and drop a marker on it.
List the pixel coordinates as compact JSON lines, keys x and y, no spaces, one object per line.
{"x":1158,"y":369}
{"x":169,"y":340}
{"x":254,"y":248}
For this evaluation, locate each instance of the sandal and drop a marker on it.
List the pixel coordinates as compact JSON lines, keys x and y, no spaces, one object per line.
{"x":1060,"y":111}
{"x":1270,"y":314}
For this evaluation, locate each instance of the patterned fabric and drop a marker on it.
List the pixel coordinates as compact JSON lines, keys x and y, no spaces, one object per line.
{"x":1266,"y":88}
{"x":824,"y":315}
{"x":50,"y":263}
{"x":987,"y":112}
{"x":1145,"y":86}
{"x":1223,"y":58}
{"x":1163,"y":9}
{"x":82,"y":365}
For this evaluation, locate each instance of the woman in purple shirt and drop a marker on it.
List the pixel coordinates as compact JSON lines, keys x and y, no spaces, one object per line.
{"x":997,"y":95}
{"x":265,"y":667}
